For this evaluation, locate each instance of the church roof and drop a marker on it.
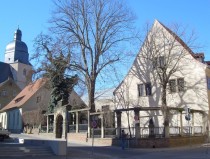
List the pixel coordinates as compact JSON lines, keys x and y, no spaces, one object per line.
{"x":17,"y":50}
{"x":5,"y":72}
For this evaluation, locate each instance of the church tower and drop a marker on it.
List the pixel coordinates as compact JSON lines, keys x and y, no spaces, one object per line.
{"x":17,"y":56}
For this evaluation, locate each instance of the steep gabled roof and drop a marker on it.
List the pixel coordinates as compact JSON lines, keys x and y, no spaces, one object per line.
{"x":5,"y":72}
{"x":177,"y":38}
{"x":182,"y":43}
{"x":25,"y":94}
{"x":195,"y":55}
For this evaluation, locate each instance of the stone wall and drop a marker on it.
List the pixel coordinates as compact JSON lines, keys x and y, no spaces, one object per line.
{"x":140,"y":143}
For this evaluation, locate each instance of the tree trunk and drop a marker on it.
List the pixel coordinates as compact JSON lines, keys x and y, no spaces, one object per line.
{"x":165,"y":112}
{"x":91,"y":94}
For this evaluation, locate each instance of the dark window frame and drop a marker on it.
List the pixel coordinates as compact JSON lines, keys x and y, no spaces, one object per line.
{"x":144,"y":89}
{"x":180,"y":84}
{"x":172,"y":85}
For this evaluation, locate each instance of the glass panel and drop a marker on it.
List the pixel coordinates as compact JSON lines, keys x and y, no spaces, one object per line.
{"x":172,"y":85}
{"x":141,"y":89}
{"x":180,"y":82}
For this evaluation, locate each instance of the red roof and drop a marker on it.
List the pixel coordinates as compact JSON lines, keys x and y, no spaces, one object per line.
{"x":25,"y":94}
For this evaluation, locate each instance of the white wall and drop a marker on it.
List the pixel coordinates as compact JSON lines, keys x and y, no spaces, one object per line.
{"x":194,"y":96}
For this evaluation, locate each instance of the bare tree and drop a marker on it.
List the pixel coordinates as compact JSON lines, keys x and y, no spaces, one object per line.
{"x":95,"y":28}
{"x":31,"y":119}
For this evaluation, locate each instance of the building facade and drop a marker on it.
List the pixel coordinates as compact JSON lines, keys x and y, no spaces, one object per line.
{"x":164,"y":55}
{"x":34,"y":97}
{"x":16,"y":69}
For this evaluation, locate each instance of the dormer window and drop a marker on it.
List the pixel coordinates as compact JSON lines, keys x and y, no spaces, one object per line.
{"x":19,"y":99}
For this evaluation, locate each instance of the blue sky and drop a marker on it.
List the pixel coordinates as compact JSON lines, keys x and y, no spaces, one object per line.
{"x":32,"y":15}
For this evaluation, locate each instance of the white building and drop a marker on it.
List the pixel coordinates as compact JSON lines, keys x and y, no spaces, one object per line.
{"x":187,"y":86}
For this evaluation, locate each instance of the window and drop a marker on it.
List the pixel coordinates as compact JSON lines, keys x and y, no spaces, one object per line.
{"x":161,"y":61}
{"x":158,"y":62}
{"x":144,"y":89}
{"x":148,"y":89}
{"x":38,"y":99}
{"x":176,"y":85}
{"x":180,"y":83}
{"x":154,"y":62}
{"x":141,"y":89}
{"x":4,"y":93}
{"x":172,"y":85}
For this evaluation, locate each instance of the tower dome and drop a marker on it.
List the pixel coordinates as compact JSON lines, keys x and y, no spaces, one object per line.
{"x":17,"y":50}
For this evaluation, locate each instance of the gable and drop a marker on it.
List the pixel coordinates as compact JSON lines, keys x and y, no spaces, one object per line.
{"x":143,"y":52}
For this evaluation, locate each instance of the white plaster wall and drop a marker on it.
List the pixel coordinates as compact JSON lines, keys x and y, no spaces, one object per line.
{"x":3,"y":120}
{"x":194,"y":96}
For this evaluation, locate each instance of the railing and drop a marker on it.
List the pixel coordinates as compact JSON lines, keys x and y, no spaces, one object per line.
{"x":174,"y":131}
{"x":156,"y":132}
{"x":81,"y":128}
{"x":109,"y":132}
{"x":50,"y":129}
{"x":72,"y":128}
{"x":43,"y":129}
{"x":145,"y":132}
{"x":131,"y":132}
{"x":198,"y":130}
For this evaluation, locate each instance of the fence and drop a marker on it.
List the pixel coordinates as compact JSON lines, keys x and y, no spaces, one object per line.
{"x":145,"y":132}
{"x":81,"y":128}
{"x":43,"y":129}
{"x":108,"y":132}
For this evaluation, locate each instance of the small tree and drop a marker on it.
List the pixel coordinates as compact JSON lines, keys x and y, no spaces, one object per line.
{"x":55,"y":63}
{"x":32,"y":119}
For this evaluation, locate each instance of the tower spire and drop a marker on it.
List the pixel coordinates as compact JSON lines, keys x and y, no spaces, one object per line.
{"x":18,"y":34}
